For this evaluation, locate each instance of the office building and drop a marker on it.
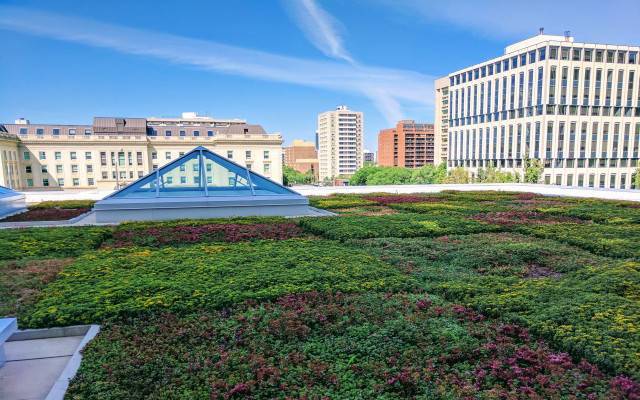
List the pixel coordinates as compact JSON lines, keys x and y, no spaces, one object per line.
{"x":302,"y":156}
{"x":113,"y":152}
{"x":575,"y":106}
{"x":409,"y":145}
{"x":441,"y":120}
{"x":340,"y":143}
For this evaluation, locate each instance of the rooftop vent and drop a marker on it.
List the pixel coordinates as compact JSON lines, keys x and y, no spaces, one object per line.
{"x":541,"y":30}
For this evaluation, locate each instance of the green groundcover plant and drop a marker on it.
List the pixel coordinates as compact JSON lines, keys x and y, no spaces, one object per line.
{"x":339,"y":201}
{"x":395,"y":225}
{"x":67,"y":204}
{"x":593,"y":312}
{"x":609,"y":240}
{"x":529,"y":297}
{"x":127,"y":281}
{"x":29,"y":243}
{"x":584,"y":304}
{"x":312,"y":345}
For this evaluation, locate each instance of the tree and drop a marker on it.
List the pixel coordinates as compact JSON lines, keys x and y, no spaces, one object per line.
{"x":362,"y":175}
{"x":458,"y":175}
{"x":533,"y":169}
{"x":429,"y":174}
{"x":379,"y":175}
{"x":491,"y":174}
{"x":389,"y":176}
{"x":637,"y":180}
{"x":291,"y":176}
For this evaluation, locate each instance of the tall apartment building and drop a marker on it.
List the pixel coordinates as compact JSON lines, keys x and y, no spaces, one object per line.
{"x":575,"y":106}
{"x":368,"y":157}
{"x":113,"y":152}
{"x":441,"y":123}
{"x":302,"y":156}
{"x":409,"y":145}
{"x":340,"y":143}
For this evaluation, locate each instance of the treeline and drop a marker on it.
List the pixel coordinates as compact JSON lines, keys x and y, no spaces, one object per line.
{"x":292,"y":177}
{"x":434,"y":174}
{"x":376,"y":175}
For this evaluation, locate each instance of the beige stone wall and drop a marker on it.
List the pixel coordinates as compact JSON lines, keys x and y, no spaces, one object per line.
{"x":94,"y":161}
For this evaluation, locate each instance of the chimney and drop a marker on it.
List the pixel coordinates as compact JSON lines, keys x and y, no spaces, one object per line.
{"x":541,"y":31}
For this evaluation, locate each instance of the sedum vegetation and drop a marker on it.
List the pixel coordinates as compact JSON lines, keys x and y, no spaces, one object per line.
{"x":449,"y":295}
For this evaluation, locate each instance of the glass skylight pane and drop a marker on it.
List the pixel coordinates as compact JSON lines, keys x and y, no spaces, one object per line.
{"x":263,"y":186}
{"x":201,"y":173}
{"x":182,"y":178}
{"x":144,"y":187}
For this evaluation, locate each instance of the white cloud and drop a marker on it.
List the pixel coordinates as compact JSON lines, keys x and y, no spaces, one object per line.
{"x":320,"y":28}
{"x":399,"y":86}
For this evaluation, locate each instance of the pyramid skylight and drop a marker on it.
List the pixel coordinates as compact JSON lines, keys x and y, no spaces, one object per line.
{"x":201,"y":184}
{"x":199,"y":173}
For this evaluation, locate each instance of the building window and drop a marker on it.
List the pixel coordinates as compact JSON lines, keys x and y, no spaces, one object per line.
{"x":71,"y":133}
{"x":87,"y":132}
{"x":209,"y":133}
{"x":103,"y":158}
{"x":140,"y":174}
{"x":587,"y":57}
{"x":167,"y":133}
{"x":23,"y":131}
{"x":27,"y":169}
{"x":248,"y":165}
{"x":105,"y":175}
{"x":74,"y":168}
{"x":42,"y":155}
{"x":266,"y":154}
{"x":73,"y":155}
{"x":57,"y":155}
{"x":229,"y":154}
{"x":139,"y":158}
{"x":247,"y":154}
{"x":60,"y":181}
{"x":76,"y":181}
{"x":89,"y":168}
{"x":90,"y":181}
{"x":45,"y":182}
{"x":183,"y":179}
{"x":577,"y":55}
{"x":26,"y":155}
{"x":183,"y":133}
{"x":196,"y":133}
{"x":39,"y":131}
{"x":154,"y":155}
{"x":30,"y":182}
{"x":267,"y":168}
{"x":44,"y":169}
{"x":58,"y":169}
{"x":167,"y":155}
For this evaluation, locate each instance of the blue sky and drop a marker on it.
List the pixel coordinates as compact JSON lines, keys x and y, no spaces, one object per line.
{"x":273,"y":62}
